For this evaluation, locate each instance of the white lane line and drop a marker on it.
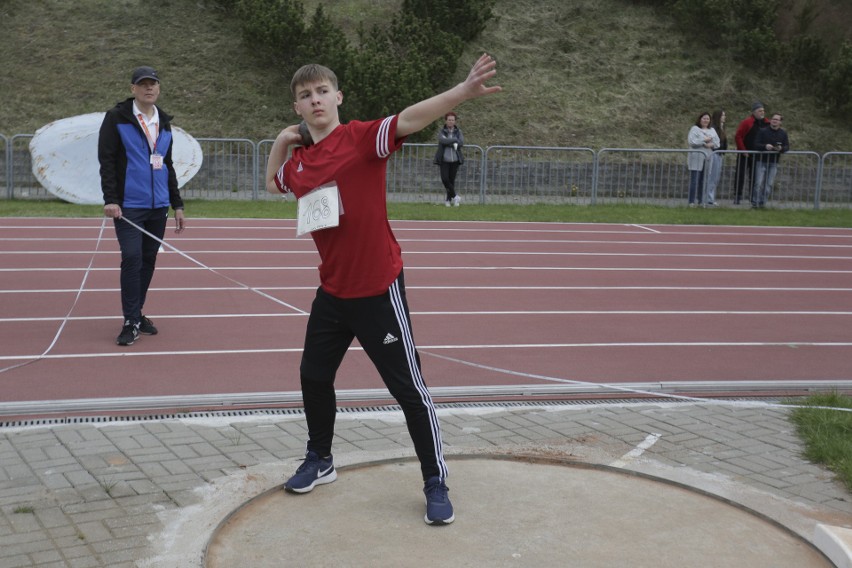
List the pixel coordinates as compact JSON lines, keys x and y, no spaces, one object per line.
{"x":462,"y":313}
{"x":649,"y":441}
{"x":423,"y":348}
{"x":760,"y":289}
{"x":644,"y":228}
{"x":519,"y":254}
{"x":487,"y":227}
{"x":410,"y":268}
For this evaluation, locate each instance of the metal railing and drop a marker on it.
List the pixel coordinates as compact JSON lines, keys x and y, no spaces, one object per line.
{"x":228,"y":170}
{"x":834,"y":183}
{"x":5,"y":156}
{"x":538,"y":174}
{"x":235,"y":168}
{"x":413,"y":175}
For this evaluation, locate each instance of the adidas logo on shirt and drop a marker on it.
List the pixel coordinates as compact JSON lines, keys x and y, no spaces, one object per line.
{"x":389,"y":339}
{"x":300,"y":168}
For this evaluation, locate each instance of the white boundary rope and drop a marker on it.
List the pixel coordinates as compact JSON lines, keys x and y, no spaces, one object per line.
{"x":214,"y":271}
{"x":71,"y":309}
{"x":162,"y":242}
{"x":719,"y":402}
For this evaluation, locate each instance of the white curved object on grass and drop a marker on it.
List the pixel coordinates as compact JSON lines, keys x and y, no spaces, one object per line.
{"x":65,"y":157}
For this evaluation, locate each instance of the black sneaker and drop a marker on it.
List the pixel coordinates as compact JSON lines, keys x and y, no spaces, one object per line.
{"x":439,"y":510}
{"x":129,"y":333}
{"x":146,"y":327}
{"x":314,"y":471}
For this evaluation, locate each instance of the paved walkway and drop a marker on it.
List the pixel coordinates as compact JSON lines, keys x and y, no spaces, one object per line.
{"x":154,"y":493}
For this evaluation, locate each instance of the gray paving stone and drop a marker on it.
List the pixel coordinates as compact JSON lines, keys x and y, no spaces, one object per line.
{"x":163,"y":464}
{"x":174,"y":467}
{"x":51,"y":517}
{"x":18,"y":471}
{"x":97,"y":516}
{"x":16,"y":561}
{"x":84,"y":562}
{"x":47,"y":558}
{"x":62,"y":531}
{"x":24,"y":543}
{"x":75,"y":546}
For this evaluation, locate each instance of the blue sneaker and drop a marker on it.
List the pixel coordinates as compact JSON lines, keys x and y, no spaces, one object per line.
{"x":314,"y":471}
{"x":439,"y":510}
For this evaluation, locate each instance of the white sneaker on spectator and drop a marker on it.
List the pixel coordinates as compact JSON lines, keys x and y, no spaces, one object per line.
{"x":456,"y":201}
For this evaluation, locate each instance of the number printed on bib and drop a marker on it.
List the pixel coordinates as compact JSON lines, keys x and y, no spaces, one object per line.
{"x":319,"y":209}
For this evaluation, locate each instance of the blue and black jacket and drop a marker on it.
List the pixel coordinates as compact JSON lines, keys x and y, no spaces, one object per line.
{"x":127,"y":177}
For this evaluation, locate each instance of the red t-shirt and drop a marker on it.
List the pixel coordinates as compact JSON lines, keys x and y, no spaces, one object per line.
{"x":360,"y":257}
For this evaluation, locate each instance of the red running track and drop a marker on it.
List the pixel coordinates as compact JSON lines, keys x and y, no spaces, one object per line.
{"x":499,"y":309}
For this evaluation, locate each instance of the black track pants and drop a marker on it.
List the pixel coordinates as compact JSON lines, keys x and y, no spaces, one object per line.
{"x":382,"y":325}
{"x":138,"y":256}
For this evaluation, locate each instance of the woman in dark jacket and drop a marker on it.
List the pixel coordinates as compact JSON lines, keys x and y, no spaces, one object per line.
{"x":449,"y":156}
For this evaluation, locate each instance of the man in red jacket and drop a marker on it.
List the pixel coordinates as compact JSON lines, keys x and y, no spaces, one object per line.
{"x":745,"y":135}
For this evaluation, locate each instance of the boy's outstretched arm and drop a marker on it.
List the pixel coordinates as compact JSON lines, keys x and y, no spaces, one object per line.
{"x":420,"y":115}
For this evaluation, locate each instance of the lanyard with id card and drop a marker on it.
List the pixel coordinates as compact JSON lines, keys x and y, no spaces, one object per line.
{"x":156,"y":158}
{"x":318,"y":209}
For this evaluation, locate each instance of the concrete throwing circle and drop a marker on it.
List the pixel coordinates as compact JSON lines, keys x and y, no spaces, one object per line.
{"x":508,"y":513}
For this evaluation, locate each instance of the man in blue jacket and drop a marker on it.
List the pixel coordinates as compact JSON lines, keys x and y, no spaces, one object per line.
{"x":139,"y":184}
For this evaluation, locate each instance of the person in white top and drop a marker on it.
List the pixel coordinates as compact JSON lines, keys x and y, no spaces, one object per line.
{"x":702,"y":140}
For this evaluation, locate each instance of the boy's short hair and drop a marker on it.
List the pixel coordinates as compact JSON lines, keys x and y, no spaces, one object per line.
{"x":312,"y":73}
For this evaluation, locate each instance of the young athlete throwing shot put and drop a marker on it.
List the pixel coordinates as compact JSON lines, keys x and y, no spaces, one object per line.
{"x":339,"y":180}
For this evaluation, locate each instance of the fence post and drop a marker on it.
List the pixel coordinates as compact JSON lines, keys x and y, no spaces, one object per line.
{"x":484,"y":177}
{"x":7,"y":154}
{"x":819,"y":181}
{"x":255,"y":162}
{"x":595,"y":171}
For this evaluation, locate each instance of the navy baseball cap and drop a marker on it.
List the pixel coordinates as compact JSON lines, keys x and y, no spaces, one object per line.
{"x":141,"y":73}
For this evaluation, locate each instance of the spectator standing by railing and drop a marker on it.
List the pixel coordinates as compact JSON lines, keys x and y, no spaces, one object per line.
{"x":771,"y":142}
{"x":717,"y":121}
{"x":449,"y":156}
{"x":702,"y":140}
{"x":745,"y":136}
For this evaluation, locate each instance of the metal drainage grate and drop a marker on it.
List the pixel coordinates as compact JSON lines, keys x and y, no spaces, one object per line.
{"x":351,"y":410}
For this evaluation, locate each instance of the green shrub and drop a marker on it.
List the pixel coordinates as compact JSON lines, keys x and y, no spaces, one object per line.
{"x":836,"y":82}
{"x":799,"y":56}
{"x":327,"y":45}
{"x":466,"y":20}
{"x":273,"y":27}
{"x":392,"y":68}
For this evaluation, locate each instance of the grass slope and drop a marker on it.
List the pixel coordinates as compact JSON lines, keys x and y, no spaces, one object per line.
{"x":592,"y":73}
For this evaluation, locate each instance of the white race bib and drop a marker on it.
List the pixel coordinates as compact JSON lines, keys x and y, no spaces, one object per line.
{"x":319,"y":209}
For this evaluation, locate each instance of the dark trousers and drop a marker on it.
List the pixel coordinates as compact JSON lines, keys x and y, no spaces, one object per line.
{"x":696,"y":186}
{"x":138,"y":256}
{"x":744,"y":174}
{"x":383,"y":327}
{"x":448,"y":178}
